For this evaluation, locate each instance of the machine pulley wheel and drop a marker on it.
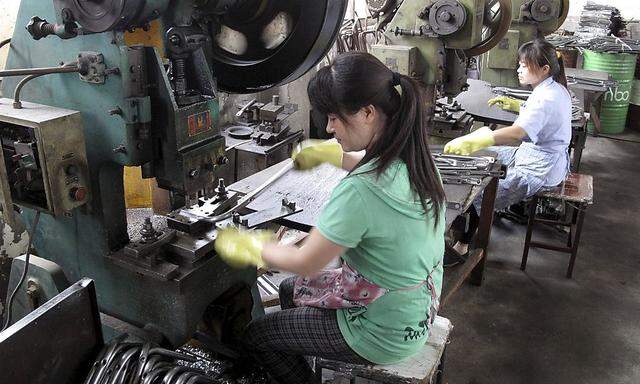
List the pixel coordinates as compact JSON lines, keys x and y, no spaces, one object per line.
{"x":107,"y":15}
{"x":276,"y":45}
{"x":447,"y":17}
{"x":496,"y":23}
{"x":564,"y":12}
{"x":543,"y":10}
{"x":378,"y":6}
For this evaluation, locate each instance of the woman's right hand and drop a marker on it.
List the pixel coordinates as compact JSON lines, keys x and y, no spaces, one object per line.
{"x":311,"y":153}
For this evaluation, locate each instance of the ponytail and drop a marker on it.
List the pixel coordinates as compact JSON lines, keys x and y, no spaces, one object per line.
{"x":357,"y":79}
{"x":560,"y":76}
{"x":409,"y":141}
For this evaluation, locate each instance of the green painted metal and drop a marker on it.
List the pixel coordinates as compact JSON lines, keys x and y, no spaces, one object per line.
{"x":615,"y":105}
{"x":635,"y":92}
{"x":80,"y":241}
{"x":498,"y":66}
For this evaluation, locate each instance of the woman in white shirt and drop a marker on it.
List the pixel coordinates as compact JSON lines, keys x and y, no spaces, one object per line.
{"x":543,"y":130}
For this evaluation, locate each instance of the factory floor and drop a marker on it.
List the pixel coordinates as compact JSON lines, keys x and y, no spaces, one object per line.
{"x":540,"y":327}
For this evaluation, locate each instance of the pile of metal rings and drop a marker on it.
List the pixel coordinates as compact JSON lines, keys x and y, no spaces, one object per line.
{"x":135,"y":363}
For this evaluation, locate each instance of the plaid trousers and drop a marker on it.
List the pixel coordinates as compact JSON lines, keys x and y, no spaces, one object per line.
{"x":281,"y":340}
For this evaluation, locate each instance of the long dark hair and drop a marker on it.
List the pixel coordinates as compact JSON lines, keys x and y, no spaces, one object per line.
{"x":538,"y":53}
{"x":355,"y":80}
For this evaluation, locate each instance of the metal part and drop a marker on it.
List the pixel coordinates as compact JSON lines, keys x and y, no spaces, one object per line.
{"x":456,"y":169}
{"x":544,"y":10}
{"x":245,"y":107}
{"x":450,"y":120}
{"x":302,"y":32}
{"x":240,"y":132}
{"x":38,"y":71}
{"x":497,"y":27}
{"x":39,"y":28}
{"x":16,"y":95}
{"x":66,"y":333}
{"x":121,"y":362}
{"x":258,"y":218}
{"x":46,"y":279}
{"x":447,"y":17}
{"x":379,"y":6}
{"x":108,"y":15}
{"x":92,"y":67}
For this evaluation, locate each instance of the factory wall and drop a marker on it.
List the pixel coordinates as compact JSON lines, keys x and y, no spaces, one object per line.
{"x":8,"y":13}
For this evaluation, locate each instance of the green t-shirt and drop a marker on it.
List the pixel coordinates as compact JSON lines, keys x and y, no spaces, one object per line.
{"x":392,"y":243}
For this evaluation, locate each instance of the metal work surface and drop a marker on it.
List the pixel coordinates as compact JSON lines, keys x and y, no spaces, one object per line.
{"x":311,"y":189}
{"x":474,"y":101}
{"x":56,"y":342}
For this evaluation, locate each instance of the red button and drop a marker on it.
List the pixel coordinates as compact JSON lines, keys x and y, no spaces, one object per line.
{"x":78,"y":193}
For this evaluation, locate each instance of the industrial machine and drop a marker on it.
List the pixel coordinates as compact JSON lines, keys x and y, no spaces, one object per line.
{"x":99,"y":85}
{"x":531,"y":19}
{"x":137,"y":82}
{"x":260,"y":136}
{"x":433,"y":41}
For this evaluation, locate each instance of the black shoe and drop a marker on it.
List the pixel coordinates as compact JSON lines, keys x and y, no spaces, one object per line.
{"x":452,"y":257}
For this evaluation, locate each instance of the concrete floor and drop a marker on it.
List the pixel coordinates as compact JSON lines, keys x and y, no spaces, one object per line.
{"x":540,"y":327}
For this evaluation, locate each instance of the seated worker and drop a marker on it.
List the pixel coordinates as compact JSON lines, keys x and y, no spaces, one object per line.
{"x":385,"y":220}
{"x":543,"y":126}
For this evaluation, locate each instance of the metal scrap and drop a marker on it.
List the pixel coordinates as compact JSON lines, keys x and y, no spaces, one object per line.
{"x":121,"y":362}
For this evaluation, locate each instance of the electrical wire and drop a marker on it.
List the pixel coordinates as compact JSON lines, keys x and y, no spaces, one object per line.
{"x":7,"y":319}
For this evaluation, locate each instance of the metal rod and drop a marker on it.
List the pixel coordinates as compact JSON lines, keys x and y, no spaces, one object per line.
{"x":72,"y":67}
{"x":38,"y":71}
{"x":16,"y":95}
{"x":246,"y":199}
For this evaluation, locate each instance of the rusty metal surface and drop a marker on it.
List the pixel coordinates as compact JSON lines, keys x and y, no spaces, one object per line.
{"x":576,"y":188}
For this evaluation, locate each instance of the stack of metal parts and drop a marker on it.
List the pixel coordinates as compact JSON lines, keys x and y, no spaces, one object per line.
{"x":470,"y":170}
{"x":607,"y":44}
{"x":134,"y":363}
{"x":599,"y":20}
{"x":590,"y":81}
{"x":577,"y":111}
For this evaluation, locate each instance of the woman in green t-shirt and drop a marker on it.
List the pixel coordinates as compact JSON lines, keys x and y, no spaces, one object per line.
{"x":385,"y":220}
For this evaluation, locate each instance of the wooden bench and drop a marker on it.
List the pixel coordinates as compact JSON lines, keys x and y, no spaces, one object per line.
{"x":577,"y":192}
{"x":425,"y":367}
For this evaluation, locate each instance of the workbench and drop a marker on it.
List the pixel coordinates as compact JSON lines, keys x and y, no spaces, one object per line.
{"x":475,"y":99}
{"x":311,"y":189}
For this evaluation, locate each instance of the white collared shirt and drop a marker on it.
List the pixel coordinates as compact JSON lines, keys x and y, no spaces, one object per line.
{"x":546,"y":118}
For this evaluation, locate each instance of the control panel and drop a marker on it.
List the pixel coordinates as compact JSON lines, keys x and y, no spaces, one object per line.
{"x":44,"y":162}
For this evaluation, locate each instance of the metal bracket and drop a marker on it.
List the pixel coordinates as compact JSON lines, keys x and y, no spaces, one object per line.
{"x":93,"y":67}
{"x":252,"y":220}
{"x":136,"y":110}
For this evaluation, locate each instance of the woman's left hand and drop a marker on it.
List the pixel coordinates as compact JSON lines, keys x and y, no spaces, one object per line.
{"x":467,"y":144}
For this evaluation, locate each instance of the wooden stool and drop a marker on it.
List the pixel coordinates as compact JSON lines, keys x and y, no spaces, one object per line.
{"x":425,"y":367}
{"x":577,"y":191}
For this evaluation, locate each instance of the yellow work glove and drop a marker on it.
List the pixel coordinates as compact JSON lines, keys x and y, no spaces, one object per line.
{"x":467,"y":144}
{"x":311,"y":153}
{"x":242,"y":248}
{"x":506,"y":103}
